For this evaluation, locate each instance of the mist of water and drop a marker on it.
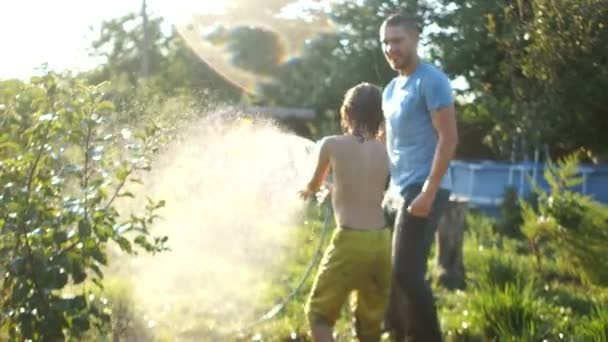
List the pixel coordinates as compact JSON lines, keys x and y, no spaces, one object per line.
{"x":231,"y":190}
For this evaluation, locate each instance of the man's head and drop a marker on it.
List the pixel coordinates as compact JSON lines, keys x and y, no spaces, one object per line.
{"x":399,"y":36}
{"x":361,"y":112}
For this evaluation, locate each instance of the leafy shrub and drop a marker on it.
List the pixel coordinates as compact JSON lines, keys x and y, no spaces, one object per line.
{"x":61,"y":174}
{"x":569,"y":225}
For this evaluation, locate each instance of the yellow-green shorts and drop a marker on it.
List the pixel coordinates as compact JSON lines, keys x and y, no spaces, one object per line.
{"x":357,"y":262}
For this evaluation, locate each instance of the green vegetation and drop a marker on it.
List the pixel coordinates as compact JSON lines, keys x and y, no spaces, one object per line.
{"x":73,"y":146}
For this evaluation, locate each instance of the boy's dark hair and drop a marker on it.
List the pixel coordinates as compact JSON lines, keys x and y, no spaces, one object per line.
{"x":400,"y":19}
{"x":361,"y":112}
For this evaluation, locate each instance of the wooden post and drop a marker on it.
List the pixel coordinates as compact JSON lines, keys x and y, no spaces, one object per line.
{"x":449,"y":268}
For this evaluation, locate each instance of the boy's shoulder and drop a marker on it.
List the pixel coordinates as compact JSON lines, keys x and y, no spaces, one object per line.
{"x":325,"y":144}
{"x":330,"y":139}
{"x":340,"y":139}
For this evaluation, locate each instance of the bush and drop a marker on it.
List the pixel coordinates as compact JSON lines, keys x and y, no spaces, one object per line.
{"x":61,"y":173}
{"x":568,"y":225}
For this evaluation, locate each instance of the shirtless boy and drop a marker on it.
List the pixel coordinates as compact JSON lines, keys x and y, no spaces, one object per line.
{"x":358,"y":259}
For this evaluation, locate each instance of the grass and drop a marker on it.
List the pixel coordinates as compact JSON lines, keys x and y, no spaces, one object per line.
{"x":507,"y":298}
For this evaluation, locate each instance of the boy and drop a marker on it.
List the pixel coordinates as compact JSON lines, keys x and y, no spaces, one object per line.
{"x":358,"y":258}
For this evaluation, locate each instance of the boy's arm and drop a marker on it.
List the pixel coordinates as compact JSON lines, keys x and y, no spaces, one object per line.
{"x":321,"y":171}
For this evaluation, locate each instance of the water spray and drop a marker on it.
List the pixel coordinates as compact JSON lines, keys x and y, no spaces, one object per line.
{"x":275,"y":310}
{"x":230,"y":184}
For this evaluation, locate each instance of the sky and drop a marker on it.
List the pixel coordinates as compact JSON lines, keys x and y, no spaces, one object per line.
{"x":33,"y":32}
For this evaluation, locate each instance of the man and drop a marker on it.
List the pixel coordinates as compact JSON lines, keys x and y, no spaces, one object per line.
{"x":421,"y":138}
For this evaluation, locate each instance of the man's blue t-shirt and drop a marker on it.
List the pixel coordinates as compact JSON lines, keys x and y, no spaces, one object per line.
{"x":411,"y":139}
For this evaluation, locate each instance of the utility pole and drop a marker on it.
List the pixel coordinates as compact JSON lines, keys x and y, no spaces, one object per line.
{"x":146,"y":42}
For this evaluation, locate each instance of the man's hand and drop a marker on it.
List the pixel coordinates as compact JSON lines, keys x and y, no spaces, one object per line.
{"x":422,"y":204}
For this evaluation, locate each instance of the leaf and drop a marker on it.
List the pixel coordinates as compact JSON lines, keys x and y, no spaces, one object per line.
{"x":99,"y":256}
{"x":60,"y":279}
{"x":84,"y":228}
{"x":126,"y":194}
{"x":81,"y":324}
{"x":60,"y":237}
{"x":78,"y":272}
{"x":78,"y":303}
{"x":17,"y":265}
{"x":105,"y":106}
{"x":124,"y":244}
{"x":97,"y":271}
{"x":122,"y":228}
{"x":46,"y":117}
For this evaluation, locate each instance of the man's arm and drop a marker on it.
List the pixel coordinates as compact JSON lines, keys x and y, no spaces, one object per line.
{"x":444,"y":121}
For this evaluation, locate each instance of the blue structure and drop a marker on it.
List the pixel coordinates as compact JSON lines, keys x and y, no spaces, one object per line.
{"x":483,"y":183}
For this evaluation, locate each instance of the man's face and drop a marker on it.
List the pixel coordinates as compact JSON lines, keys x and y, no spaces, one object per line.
{"x":399,"y":46}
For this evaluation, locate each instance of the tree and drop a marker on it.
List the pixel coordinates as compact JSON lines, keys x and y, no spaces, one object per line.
{"x":535,"y":69}
{"x":62,"y":173}
{"x":174,"y":69}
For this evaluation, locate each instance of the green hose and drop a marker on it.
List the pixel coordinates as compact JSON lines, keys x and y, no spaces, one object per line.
{"x":315,"y":259}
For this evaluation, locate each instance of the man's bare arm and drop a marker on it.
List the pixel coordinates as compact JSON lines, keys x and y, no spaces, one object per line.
{"x":444,"y":121}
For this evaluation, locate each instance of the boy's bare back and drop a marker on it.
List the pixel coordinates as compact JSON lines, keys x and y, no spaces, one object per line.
{"x":360,"y":171}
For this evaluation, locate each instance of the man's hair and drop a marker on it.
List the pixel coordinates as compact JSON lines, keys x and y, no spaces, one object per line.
{"x":361,"y":112}
{"x":400,"y":19}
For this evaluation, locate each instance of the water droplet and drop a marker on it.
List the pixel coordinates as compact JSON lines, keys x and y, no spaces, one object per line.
{"x":125,"y":133}
{"x":46,"y":117}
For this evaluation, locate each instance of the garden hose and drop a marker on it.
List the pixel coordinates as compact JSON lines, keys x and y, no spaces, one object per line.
{"x":270,"y":314}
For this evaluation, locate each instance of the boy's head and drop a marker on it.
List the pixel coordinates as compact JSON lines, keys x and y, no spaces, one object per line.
{"x":361,"y":112}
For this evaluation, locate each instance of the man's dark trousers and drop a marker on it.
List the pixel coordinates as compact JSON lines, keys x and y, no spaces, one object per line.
{"x":411,"y":312}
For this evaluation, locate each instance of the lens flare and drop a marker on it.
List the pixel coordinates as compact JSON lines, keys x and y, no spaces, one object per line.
{"x":283,"y":27}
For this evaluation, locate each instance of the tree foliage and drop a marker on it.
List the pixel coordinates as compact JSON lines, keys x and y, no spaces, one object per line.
{"x":62,"y":174}
{"x":536,"y":69}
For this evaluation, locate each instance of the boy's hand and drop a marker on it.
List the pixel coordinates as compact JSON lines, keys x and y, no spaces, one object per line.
{"x":320,"y":195}
{"x":305,"y":194}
